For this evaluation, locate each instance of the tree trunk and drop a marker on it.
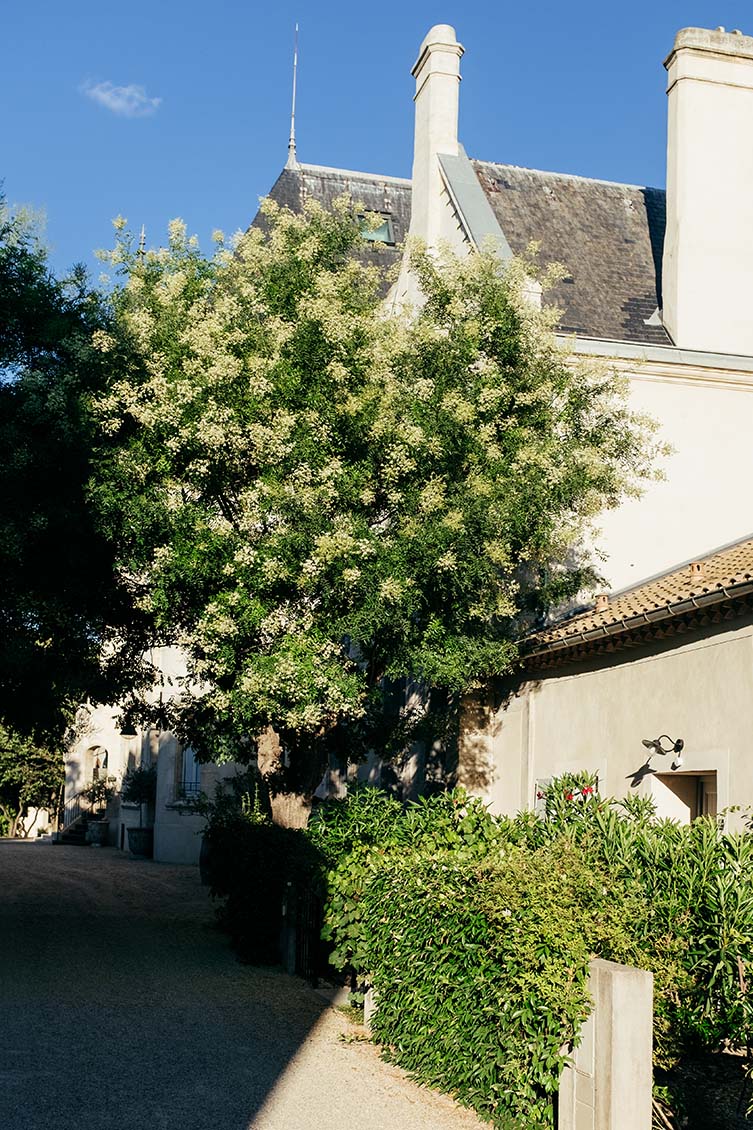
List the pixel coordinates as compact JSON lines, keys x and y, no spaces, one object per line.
{"x":290,"y":809}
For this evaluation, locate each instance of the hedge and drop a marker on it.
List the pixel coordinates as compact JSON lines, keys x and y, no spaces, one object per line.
{"x":476,"y":931}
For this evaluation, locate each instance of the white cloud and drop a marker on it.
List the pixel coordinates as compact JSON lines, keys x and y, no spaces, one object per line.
{"x":127,"y":101}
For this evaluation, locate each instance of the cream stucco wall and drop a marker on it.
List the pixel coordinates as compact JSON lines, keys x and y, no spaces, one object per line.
{"x":177,"y":830}
{"x":99,"y":731}
{"x":595,"y":717}
{"x":700,"y":503}
{"x":708,"y":251}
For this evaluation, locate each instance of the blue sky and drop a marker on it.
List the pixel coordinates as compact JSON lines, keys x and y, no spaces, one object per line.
{"x":164,"y":109}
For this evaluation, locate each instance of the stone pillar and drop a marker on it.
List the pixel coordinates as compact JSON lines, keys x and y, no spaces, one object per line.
{"x":609,"y":1084}
{"x":369,"y":1006}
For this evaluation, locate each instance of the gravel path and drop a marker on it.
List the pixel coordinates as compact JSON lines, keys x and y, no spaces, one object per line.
{"x":121,"y":1006}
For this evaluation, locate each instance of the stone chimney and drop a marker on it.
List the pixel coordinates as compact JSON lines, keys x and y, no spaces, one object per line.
{"x":707,"y":274}
{"x":437,"y":75}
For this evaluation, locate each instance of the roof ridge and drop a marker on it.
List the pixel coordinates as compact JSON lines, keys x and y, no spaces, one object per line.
{"x":567,"y":176}
{"x":682,"y":565}
{"x":304,"y":167}
{"x":669,"y":594}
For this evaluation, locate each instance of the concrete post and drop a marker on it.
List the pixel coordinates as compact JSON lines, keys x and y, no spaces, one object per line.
{"x":609,"y":1084}
{"x":369,"y":1007}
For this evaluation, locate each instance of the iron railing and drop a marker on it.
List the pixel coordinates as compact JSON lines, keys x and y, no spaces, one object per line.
{"x":80,"y":805}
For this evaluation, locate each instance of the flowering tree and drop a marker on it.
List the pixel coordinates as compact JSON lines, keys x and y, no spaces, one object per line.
{"x":311,"y":496}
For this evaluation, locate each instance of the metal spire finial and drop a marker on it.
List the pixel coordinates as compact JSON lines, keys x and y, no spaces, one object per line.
{"x":292,"y":162}
{"x":142,"y":241}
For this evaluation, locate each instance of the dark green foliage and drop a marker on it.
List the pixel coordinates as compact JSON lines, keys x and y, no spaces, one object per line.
{"x":30,"y":775}
{"x":250,"y":867}
{"x":60,"y":601}
{"x":481,"y":974}
{"x":140,"y":785}
{"x":476,"y":932}
{"x":99,"y":794}
{"x":372,"y":818}
{"x":255,"y":867}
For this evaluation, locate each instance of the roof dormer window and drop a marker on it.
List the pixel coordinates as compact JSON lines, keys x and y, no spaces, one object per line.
{"x":375,"y":232}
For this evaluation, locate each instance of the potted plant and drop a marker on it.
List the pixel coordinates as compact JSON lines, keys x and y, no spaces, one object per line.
{"x":140,"y":787}
{"x":99,"y":793}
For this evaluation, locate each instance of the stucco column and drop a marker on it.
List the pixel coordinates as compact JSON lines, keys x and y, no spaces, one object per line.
{"x":437,"y":75}
{"x":708,"y":248}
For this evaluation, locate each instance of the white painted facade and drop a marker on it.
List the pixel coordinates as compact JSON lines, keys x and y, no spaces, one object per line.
{"x":102,"y":748}
{"x":705,"y":412}
{"x":700,"y":391}
{"x":708,"y":251}
{"x":594,"y":714}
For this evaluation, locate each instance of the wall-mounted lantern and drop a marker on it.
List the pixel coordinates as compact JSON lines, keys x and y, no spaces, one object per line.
{"x":676,"y":746}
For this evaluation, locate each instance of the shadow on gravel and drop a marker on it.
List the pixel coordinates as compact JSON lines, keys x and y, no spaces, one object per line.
{"x":122,"y":1005}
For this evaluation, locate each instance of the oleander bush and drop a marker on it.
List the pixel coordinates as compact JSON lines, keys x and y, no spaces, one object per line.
{"x":476,"y":932}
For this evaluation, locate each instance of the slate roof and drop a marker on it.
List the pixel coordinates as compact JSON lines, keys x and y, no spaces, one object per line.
{"x":388,"y":195}
{"x":609,"y":237}
{"x":724,"y":574}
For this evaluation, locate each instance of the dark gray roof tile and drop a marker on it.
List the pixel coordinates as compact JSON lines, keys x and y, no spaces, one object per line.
{"x":608,"y":237}
{"x":389,"y":195}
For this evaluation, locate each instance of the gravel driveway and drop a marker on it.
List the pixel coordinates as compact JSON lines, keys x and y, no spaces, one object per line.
{"x":121,"y":1006}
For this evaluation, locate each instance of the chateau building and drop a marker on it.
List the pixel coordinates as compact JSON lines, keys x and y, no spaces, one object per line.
{"x":658,"y":285}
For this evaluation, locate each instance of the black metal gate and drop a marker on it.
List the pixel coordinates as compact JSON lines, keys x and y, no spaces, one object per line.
{"x":310,"y":950}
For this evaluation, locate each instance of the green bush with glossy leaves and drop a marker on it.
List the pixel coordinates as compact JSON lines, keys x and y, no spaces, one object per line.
{"x":476,"y":932}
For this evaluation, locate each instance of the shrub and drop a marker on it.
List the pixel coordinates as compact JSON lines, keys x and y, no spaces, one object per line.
{"x":479,"y":965}
{"x":254,"y":866}
{"x":476,"y":932}
{"x":697,"y":933}
{"x":99,"y":793}
{"x":369,"y":817}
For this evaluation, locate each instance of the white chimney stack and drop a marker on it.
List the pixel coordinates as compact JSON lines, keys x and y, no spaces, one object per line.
{"x":707,"y":273}
{"x":437,"y":75}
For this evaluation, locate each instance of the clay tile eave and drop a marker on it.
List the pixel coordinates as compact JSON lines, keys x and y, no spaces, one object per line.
{"x":667,"y":596}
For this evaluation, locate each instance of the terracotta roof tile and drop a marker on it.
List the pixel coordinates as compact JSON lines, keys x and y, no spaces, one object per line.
{"x":719,"y":571}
